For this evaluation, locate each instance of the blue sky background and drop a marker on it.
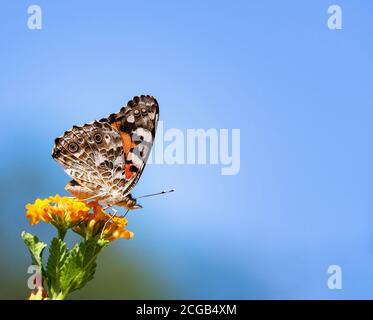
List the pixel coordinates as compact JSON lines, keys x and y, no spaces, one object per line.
{"x":300,"y":93}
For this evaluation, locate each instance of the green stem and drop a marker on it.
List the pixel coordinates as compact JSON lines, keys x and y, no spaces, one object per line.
{"x":61,"y":234}
{"x":59,"y":296}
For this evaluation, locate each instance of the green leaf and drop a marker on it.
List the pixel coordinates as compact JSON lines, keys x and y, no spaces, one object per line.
{"x":80,"y":265}
{"x":35,"y":246}
{"x":57,"y":256}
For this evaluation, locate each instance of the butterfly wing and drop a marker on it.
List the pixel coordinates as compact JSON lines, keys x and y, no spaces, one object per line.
{"x":109,"y":154}
{"x":93,"y":156}
{"x":137,"y":125}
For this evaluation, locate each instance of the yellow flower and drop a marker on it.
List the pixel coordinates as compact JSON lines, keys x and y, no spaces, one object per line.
{"x":87,"y":219}
{"x":37,"y":211}
{"x":62,"y":212}
{"x":100,"y":224}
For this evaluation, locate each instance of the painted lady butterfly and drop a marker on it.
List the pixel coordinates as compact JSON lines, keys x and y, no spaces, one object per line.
{"x":106,"y":158}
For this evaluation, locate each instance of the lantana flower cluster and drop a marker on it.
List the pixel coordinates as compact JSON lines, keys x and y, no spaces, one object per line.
{"x":89,"y":220}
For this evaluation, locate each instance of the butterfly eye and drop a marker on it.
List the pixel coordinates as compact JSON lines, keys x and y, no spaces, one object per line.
{"x":73,"y":147}
{"x":98,"y":138}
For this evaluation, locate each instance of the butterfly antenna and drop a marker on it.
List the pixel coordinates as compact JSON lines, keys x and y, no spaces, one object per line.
{"x":155,"y":194}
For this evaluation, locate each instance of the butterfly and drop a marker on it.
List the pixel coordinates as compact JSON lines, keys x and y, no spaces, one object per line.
{"x":105,"y":158}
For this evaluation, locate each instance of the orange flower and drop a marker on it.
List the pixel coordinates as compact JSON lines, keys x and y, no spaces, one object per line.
{"x":62,"y":212}
{"x":115,"y":228}
{"x":100,"y":224}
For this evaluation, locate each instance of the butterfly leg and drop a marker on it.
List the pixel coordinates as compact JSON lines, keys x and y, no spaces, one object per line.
{"x":115,"y":211}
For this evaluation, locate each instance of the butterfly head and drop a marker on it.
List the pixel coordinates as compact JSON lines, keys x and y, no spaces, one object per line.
{"x":129,"y":203}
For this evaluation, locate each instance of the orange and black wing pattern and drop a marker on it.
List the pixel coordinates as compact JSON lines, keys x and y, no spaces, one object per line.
{"x":136,"y":124}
